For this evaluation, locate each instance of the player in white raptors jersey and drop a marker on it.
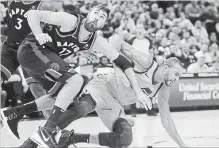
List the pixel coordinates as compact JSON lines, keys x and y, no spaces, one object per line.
{"x":107,"y":95}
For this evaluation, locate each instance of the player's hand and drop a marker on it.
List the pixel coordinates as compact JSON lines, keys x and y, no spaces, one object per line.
{"x":43,"y":38}
{"x":144,"y":101}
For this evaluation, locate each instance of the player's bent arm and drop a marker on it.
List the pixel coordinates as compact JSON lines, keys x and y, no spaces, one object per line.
{"x":105,"y":48}
{"x":63,"y":19}
{"x":166,"y":118}
{"x":142,"y":59}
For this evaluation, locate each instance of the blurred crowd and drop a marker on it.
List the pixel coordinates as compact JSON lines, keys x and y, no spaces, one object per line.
{"x":188,"y":30}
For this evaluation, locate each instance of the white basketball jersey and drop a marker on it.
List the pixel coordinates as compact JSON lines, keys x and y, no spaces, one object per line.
{"x":120,"y":84}
{"x":146,"y":80}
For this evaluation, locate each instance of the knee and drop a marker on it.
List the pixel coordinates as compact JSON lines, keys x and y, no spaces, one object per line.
{"x":37,"y":90}
{"x":77,"y":78}
{"x":124,"y":133}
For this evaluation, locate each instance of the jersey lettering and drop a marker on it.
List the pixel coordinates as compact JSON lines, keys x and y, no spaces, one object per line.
{"x":66,"y":43}
{"x":18,"y":26}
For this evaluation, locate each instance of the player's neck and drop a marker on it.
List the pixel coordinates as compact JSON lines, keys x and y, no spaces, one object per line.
{"x":84,"y":33}
{"x":159,"y":75}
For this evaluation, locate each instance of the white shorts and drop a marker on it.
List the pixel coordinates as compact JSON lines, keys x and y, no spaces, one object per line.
{"x":108,"y":106}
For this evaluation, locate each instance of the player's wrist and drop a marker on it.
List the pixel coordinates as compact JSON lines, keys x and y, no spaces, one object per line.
{"x":38,"y":34}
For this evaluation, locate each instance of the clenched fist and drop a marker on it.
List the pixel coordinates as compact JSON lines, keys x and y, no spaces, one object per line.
{"x":43,"y":38}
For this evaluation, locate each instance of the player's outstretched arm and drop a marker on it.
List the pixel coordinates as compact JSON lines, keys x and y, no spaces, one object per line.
{"x":104,"y":47}
{"x":63,"y":19}
{"x":166,"y":118}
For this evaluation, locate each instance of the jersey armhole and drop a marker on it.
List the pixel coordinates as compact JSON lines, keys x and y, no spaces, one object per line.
{"x":158,"y":89}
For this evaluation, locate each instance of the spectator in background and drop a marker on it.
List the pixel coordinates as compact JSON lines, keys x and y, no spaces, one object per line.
{"x":127,"y":23}
{"x":210,"y":16}
{"x":104,"y":62}
{"x":2,"y":13}
{"x":159,"y":36}
{"x":211,"y":55}
{"x":199,"y":31}
{"x":213,"y":38}
{"x":183,"y":22}
{"x":215,"y":66}
{"x":140,"y":42}
{"x":193,"y":11}
{"x":84,"y":9}
{"x":199,"y":66}
{"x":154,"y":14}
{"x":3,"y":17}
{"x":71,"y":6}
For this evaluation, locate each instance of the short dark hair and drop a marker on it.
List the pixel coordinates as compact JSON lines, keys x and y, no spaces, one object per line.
{"x":104,"y":8}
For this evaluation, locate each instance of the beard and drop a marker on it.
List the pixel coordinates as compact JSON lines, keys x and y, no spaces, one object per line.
{"x":91,"y":26}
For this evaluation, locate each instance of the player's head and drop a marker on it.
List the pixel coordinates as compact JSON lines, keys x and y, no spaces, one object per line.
{"x":96,"y":18}
{"x":172,"y":70}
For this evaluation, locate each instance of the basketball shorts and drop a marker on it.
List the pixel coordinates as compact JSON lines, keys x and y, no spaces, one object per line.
{"x":45,"y":66}
{"x":108,"y":107}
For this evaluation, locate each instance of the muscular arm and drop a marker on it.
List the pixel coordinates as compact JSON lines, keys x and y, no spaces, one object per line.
{"x":65,"y":20}
{"x":166,"y":119}
{"x":144,"y":60}
{"x":104,"y":47}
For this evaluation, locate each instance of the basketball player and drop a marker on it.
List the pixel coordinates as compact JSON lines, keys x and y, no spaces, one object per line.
{"x":18,"y":29}
{"x":41,"y":54}
{"x":107,"y":94}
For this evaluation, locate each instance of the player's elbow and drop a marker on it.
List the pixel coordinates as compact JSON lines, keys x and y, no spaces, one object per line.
{"x":122,"y":62}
